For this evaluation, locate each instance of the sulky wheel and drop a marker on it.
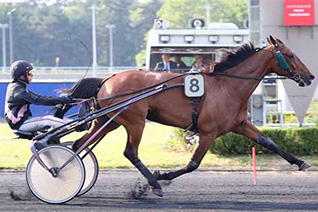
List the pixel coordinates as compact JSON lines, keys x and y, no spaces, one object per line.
{"x":62,"y":186}
{"x":91,"y":168}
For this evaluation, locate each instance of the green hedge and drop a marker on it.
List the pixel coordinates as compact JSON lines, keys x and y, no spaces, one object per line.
{"x":298,"y":141}
{"x":290,"y":117}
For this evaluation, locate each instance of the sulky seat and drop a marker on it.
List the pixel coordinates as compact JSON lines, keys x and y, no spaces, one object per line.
{"x":25,"y":134}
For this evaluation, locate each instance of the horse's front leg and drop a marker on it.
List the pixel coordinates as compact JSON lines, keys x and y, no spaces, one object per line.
{"x":134,"y":133}
{"x":251,"y":132}
{"x":205,"y":141}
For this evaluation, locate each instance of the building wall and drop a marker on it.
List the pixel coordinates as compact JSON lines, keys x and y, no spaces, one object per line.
{"x":302,"y":39}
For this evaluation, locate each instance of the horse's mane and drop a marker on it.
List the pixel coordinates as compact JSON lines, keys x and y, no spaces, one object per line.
{"x":235,"y":57}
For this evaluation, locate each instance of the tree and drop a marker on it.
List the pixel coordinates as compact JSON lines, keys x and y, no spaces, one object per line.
{"x":116,"y":12}
{"x":142,"y":19}
{"x":42,"y":29}
{"x":179,"y":12}
{"x":42,"y":33}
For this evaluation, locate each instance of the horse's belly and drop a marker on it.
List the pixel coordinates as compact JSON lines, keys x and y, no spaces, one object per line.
{"x":171,"y":119}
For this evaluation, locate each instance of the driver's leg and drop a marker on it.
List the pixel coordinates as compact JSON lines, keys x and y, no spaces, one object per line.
{"x":39,"y":123}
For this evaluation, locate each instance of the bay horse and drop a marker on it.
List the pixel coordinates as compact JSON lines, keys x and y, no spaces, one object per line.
{"x":222,"y":109}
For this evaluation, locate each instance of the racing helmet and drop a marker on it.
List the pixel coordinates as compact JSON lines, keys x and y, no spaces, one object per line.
{"x":20,"y":68}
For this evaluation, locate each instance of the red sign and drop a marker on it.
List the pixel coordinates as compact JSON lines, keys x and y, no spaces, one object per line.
{"x":299,"y":12}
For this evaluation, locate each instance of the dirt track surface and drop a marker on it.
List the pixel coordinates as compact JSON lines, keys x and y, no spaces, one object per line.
{"x":198,"y":191}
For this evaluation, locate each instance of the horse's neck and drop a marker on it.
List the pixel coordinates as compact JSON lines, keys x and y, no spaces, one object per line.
{"x":256,"y":66}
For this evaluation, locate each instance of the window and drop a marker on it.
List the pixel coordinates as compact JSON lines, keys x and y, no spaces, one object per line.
{"x":254,"y":2}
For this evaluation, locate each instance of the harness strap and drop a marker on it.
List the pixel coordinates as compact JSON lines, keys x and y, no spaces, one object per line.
{"x":195,"y":116}
{"x":141,"y":90}
{"x":102,"y":83}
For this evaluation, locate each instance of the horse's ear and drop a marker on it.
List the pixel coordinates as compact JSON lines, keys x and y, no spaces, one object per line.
{"x":273,"y":41}
{"x":268,"y":40}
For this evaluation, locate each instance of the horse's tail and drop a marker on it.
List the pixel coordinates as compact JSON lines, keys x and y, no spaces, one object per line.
{"x":85,"y":88}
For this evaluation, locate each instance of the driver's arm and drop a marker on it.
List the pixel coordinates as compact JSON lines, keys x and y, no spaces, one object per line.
{"x":36,"y":99}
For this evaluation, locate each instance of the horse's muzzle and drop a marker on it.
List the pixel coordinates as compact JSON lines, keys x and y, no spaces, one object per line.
{"x":302,"y":79}
{"x":308,"y":78}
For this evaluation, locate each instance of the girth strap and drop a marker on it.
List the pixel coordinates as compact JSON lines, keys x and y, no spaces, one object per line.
{"x":195,"y":116}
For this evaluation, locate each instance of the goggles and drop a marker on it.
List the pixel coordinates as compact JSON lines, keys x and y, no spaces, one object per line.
{"x":29,"y":73}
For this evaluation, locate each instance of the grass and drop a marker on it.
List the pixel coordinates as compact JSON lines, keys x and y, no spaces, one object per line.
{"x":15,"y":153}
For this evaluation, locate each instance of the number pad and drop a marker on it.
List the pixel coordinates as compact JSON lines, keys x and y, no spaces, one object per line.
{"x":194,"y":85}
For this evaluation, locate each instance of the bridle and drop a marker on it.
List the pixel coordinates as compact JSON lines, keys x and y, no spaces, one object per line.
{"x":282,"y":63}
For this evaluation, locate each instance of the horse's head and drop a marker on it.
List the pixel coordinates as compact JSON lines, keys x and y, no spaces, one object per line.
{"x":288,"y":63}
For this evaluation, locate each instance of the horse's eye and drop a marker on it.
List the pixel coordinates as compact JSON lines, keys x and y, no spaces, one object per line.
{"x":291,"y":56}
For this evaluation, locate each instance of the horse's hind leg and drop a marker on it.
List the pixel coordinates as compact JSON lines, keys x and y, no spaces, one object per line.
{"x":251,"y":132}
{"x":205,"y":142}
{"x":97,"y":123}
{"x":134,"y":133}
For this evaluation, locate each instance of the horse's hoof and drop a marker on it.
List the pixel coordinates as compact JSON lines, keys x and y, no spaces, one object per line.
{"x":158,"y":192}
{"x":156,"y":174}
{"x":304,"y":166}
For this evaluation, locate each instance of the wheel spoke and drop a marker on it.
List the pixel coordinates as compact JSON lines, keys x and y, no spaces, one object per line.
{"x":62,"y":188}
{"x":91,"y":169}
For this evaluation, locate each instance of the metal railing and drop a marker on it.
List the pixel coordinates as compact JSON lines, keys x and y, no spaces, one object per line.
{"x":69,"y":72}
{"x":72,"y":69}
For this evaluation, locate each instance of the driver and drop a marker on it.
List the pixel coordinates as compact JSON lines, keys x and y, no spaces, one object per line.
{"x":19,"y":98}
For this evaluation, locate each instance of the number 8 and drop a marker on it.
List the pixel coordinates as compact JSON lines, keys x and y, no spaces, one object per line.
{"x":194,"y":85}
